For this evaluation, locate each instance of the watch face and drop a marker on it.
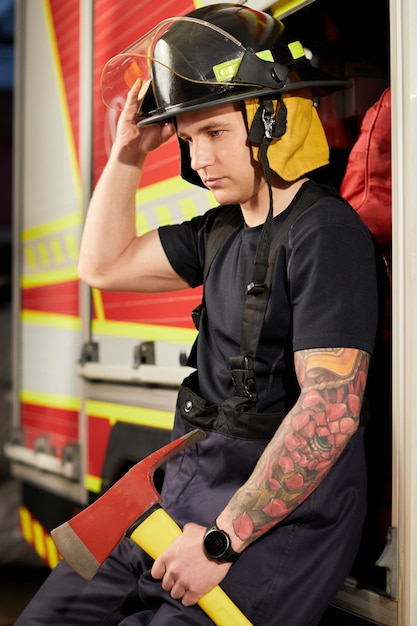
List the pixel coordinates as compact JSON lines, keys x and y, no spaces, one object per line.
{"x":216,"y":543}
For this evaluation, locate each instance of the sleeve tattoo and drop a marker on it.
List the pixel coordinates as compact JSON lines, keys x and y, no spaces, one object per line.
{"x":308,"y":442}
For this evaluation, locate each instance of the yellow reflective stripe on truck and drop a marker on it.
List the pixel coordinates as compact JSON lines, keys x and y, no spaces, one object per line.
{"x":53,"y":400}
{"x":55,"y":320}
{"x":98,"y":304}
{"x":38,"y":537}
{"x":53,"y":277}
{"x":146,"y":332}
{"x":153,"y":418}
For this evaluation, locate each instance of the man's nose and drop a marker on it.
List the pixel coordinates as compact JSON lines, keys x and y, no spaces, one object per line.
{"x":200,"y":155}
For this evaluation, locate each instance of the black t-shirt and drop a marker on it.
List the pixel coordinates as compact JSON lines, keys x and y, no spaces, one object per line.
{"x":324,"y":294}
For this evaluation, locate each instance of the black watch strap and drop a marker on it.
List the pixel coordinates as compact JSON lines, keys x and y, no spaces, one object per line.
{"x":218,"y":546}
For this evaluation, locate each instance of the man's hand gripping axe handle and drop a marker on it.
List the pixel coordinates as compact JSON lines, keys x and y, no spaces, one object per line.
{"x":133,"y":502}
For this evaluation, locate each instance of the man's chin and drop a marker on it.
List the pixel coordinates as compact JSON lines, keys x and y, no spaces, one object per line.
{"x":222,"y":196}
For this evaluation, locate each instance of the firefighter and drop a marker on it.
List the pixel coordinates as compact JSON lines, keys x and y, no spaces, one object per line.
{"x":272,"y":501}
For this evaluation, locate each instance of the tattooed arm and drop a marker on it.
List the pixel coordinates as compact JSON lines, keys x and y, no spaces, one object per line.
{"x":308,"y":442}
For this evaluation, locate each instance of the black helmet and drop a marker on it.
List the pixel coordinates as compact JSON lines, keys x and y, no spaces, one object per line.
{"x":220,"y":53}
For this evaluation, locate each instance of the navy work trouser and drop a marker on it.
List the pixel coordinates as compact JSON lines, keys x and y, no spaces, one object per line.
{"x":287,"y":578}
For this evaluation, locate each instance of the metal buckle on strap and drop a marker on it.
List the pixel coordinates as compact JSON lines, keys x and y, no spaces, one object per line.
{"x":254,"y":289}
{"x":196,"y":315}
{"x":243,"y":375}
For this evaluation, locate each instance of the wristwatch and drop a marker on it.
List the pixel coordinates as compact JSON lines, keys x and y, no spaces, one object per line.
{"x":217,"y":545}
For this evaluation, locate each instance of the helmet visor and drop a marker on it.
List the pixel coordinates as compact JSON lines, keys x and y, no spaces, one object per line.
{"x":189,"y":48}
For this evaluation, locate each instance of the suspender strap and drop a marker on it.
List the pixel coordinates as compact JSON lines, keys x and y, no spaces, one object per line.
{"x":242,"y":366}
{"x":260,"y":265}
{"x":230,"y":219}
{"x":271,"y":126}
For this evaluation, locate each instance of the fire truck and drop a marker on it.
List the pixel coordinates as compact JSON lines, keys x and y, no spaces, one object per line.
{"x":96,"y":373}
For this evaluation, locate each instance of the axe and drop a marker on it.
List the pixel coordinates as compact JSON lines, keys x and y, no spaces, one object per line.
{"x":132,"y":505}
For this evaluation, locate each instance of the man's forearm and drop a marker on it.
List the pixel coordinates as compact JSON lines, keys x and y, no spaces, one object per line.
{"x":306,"y":445}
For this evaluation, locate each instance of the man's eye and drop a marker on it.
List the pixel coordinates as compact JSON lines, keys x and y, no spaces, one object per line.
{"x":216,"y":133}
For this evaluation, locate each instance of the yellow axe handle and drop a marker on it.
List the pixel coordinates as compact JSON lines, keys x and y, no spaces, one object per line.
{"x":154,"y":535}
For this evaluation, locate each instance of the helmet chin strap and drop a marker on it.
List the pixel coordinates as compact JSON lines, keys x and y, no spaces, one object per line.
{"x":266,"y":127}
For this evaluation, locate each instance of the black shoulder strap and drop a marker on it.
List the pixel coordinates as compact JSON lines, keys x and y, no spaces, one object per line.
{"x":229,"y":220}
{"x":242,"y":366}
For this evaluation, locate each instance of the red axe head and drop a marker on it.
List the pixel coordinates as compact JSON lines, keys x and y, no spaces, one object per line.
{"x":87,"y":539}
